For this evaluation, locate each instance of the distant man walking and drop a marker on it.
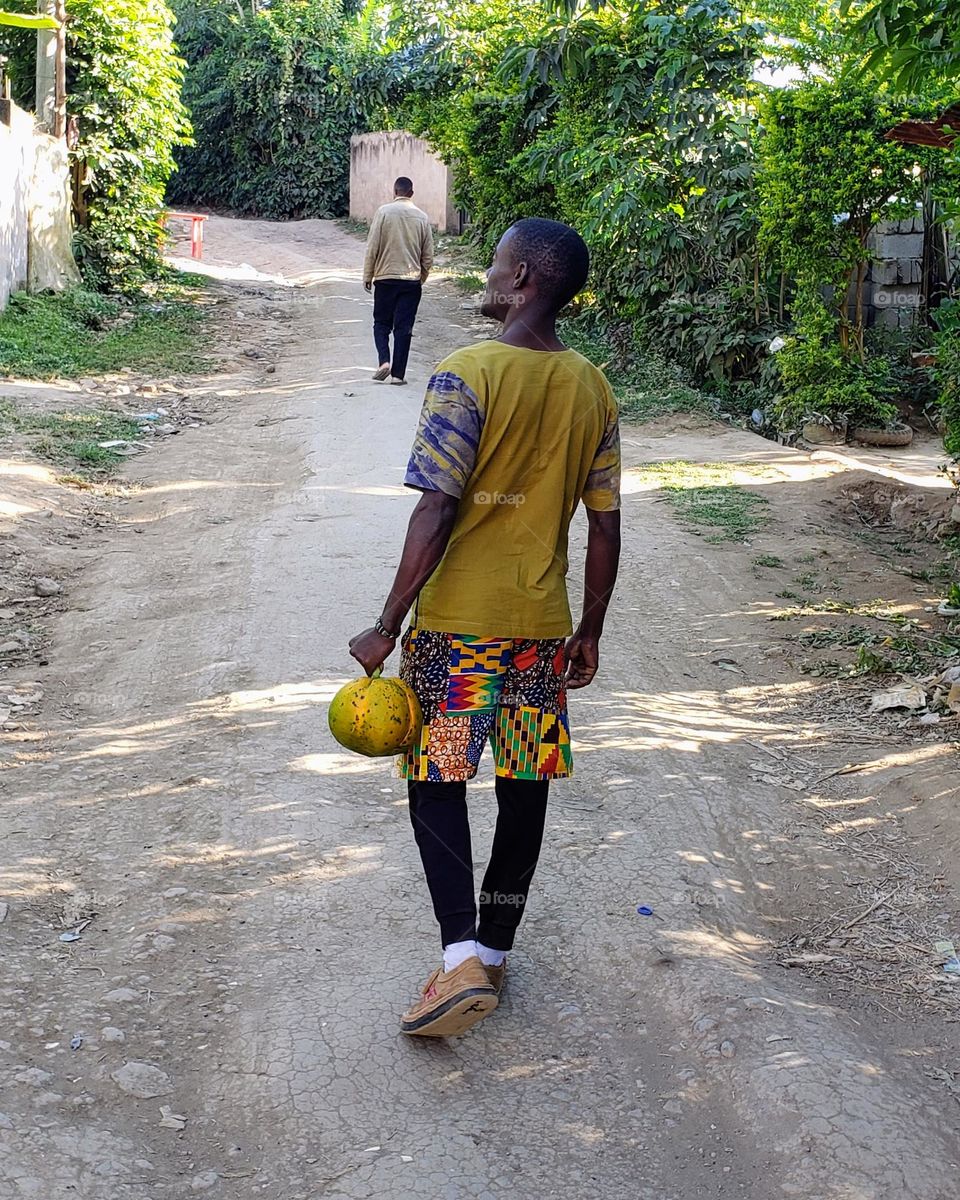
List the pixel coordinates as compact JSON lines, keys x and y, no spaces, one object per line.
{"x":398,"y":260}
{"x":513,"y":435}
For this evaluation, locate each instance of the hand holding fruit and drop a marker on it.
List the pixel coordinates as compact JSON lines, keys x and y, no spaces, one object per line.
{"x":371,"y":649}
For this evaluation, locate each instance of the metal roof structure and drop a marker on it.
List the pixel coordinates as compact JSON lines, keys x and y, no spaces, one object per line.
{"x":941,"y":132}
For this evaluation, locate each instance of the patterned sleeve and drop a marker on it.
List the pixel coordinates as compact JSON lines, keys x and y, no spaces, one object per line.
{"x":445,"y":448}
{"x":602,"y":489}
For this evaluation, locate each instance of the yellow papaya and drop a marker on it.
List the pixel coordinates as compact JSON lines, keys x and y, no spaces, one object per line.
{"x":376,"y":716}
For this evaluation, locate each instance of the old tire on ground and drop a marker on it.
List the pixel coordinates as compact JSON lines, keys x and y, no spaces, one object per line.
{"x":899,"y":435}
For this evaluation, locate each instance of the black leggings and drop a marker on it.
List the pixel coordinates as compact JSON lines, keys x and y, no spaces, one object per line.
{"x":442,"y":829}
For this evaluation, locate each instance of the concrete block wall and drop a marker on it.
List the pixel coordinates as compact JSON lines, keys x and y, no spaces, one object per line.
{"x":377,"y":159}
{"x":892,"y":294}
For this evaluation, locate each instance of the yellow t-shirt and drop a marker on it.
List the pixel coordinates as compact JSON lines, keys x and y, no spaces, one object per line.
{"x":519,"y":437}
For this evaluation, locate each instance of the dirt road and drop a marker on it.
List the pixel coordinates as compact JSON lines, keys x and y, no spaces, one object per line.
{"x":258,"y":917}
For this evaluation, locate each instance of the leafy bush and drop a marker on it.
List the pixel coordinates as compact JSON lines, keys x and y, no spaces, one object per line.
{"x":275,"y":94}
{"x":947,"y":373}
{"x":123,"y":83}
{"x":822,"y":383}
{"x":629,"y":122}
{"x":826,"y":176}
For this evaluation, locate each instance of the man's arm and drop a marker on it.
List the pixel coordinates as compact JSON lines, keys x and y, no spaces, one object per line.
{"x":426,"y":542}
{"x":373,"y":249}
{"x":600,"y":575}
{"x":426,"y":252}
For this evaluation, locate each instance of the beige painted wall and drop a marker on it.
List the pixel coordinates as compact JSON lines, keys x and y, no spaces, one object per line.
{"x":35,"y":221}
{"x":377,"y":159}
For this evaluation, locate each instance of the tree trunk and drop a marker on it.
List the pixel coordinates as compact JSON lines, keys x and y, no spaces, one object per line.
{"x":60,"y":71}
{"x":858,"y":319}
{"x":46,"y":77}
{"x":51,"y":71}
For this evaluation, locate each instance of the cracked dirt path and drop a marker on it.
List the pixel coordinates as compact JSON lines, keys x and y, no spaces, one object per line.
{"x":260,"y":914}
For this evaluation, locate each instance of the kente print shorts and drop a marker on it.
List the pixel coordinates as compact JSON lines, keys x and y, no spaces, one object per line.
{"x":508,"y":691}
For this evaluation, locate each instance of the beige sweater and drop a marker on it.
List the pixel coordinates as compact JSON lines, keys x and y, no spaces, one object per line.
{"x":400,"y":243}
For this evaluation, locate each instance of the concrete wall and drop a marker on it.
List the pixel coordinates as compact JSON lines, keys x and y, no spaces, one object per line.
{"x":892,"y":292}
{"x":16,"y":171}
{"x":35,"y":221}
{"x":377,"y":159}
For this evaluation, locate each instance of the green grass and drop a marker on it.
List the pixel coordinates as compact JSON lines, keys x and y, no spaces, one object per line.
{"x":85,"y":333}
{"x":469,"y":282}
{"x":71,"y":439}
{"x":769,"y":560}
{"x":646,"y":386}
{"x":352,"y":225}
{"x":705,"y":494}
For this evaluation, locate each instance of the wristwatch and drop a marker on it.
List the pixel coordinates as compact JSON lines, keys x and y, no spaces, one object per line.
{"x":384,"y":631}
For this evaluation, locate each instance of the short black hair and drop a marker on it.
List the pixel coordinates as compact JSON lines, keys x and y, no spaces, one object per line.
{"x":556,"y":255}
{"x":403,"y":186}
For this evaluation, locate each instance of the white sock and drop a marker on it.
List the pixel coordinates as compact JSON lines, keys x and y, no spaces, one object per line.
{"x":457,"y":953}
{"x":490,"y":958}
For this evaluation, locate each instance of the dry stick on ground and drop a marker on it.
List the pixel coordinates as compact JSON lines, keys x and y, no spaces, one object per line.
{"x":848,"y":769}
{"x":866,"y":913}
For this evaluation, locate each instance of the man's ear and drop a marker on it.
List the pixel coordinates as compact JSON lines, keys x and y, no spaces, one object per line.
{"x":521,"y":276}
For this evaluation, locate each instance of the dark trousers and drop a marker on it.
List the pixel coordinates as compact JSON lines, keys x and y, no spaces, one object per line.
{"x":395,"y":304}
{"x":442,"y":829}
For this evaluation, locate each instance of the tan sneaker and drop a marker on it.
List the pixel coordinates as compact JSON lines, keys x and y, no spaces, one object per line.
{"x":496,"y":976}
{"x":451,"y":1001}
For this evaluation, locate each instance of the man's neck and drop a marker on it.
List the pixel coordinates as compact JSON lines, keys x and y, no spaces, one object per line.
{"x":531,"y":330}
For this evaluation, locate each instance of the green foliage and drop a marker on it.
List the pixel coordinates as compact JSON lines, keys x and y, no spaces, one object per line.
{"x":629,"y":121}
{"x":123,"y":85}
{"x":947,"y":373}
{"x":912,"y":42}
{"x":827,"y":176}
{"x":274,"y":94}
{"x":477,"y":119}
{"x":822,"y":383}
{"x":647,"y":386}
{"x":83,"y":333}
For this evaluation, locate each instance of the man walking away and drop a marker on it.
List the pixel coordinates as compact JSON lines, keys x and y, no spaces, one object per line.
{"x":513,"y":435}
{"x":398,"y":260}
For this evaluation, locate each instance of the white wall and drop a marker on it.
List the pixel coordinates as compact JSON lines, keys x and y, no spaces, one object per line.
{"x":35,"y":220}
{"x":16,"y":171}
{"x":377,"y":159}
